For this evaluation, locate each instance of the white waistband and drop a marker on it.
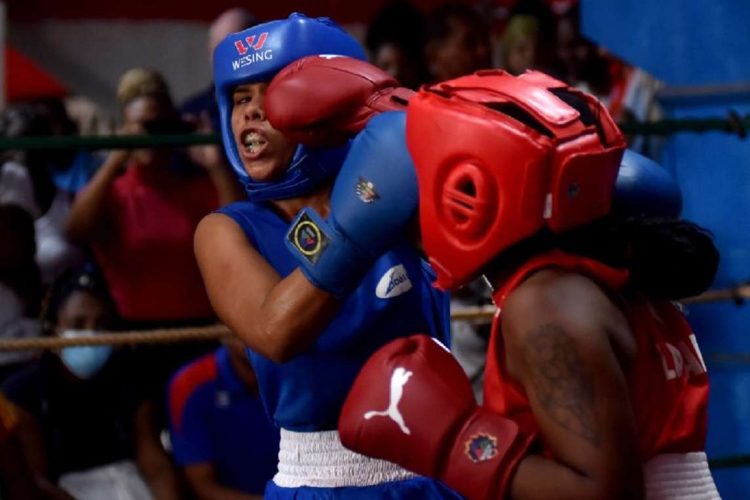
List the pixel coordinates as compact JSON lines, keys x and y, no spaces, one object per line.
{"x":319,"y":459}
{"x":683,"y":476}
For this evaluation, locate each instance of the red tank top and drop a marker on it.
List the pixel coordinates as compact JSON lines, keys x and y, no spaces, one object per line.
{"x":147,"y":253}
{"x":667,"y":381}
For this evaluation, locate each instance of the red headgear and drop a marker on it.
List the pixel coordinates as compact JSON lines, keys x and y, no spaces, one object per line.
{"x":499,"y":157}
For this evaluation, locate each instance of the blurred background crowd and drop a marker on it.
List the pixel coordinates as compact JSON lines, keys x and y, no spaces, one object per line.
{"x":95,"y":241}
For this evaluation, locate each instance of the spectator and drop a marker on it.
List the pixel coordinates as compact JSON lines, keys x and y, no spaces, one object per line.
{"x":583,"y":65}
{"x":83,"y":425}
{"x":458,"y":42}
{"x":221,"y":436}
{"x":45,"y":179}
{"x":139,"y":212}
{"x":27,"y":119}
{"x":202,"y":106}
{"x":528,"y":41}
{"x":395,"y":40}
{"x":519,"y":44}
{"x":20,"y":286}
{"x":138,"y":215}
{"x":88,"y":116}
{"x":70,"y":171}
{"x":25,"y":187}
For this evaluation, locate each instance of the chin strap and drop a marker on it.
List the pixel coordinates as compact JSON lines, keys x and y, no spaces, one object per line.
{"x":309,"y":168}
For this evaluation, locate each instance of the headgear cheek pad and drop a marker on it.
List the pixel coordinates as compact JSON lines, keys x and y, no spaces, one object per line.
{"x":500,"y":157}
{"x":256,"y":55}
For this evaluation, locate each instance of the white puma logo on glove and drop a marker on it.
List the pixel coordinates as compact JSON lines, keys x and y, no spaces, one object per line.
{"x":398,"y":381}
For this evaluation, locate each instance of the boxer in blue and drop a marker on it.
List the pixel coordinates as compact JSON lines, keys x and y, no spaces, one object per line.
{"x":313,"y":299}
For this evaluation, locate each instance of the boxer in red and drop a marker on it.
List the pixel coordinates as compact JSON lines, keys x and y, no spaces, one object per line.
{"x":595,"y":387}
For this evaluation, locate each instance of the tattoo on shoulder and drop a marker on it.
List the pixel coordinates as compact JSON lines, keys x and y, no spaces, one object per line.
{"x":561,"y":382}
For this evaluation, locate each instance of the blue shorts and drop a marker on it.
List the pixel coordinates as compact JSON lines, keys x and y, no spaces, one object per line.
{"x":418,"y":488}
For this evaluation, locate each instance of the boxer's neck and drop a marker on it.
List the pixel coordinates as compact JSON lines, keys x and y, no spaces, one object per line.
{"x":318,"y":199}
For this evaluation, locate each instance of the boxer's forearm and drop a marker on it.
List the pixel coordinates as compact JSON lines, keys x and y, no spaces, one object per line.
{"x":88,"y":211}
{"x":538,"y":478}
{"x":291,"y":318}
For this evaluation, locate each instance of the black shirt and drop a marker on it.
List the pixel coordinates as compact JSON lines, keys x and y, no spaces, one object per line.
{"x":84,"y":423}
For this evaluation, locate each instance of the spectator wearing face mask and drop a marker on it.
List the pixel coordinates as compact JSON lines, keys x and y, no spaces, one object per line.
{"x":26,"y":192}
{"x":138,"y":215}
{"x":82,"y":423}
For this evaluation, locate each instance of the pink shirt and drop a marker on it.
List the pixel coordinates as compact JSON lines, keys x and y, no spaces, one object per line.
{"x":146,"y":252}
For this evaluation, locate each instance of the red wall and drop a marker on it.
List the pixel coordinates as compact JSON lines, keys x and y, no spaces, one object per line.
{"x":344,"y":11}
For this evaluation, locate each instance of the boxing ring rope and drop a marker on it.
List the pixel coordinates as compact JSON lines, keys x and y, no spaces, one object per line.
{"x":733,"y":123}
{"x":737,"y":294}
{"x":478,"y":314}
{"x":93,"y":142}
{"x":156,"y":336}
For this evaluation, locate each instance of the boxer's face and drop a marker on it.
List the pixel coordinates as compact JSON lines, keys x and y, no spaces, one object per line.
{"x":264,"y":151}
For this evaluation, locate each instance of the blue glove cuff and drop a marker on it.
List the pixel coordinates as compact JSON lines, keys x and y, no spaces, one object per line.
{"x":329,"y":260}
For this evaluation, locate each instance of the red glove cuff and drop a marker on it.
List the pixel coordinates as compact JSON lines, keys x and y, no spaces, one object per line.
{"x":487,"y":452}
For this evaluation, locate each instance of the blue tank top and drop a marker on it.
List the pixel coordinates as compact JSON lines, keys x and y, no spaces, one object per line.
{"x":395,"y":299}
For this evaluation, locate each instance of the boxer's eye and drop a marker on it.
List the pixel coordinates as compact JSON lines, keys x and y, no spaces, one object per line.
{"x":242,"y":99}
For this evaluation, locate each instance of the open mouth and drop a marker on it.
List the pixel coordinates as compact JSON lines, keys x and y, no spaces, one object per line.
{"x":253,"y":143}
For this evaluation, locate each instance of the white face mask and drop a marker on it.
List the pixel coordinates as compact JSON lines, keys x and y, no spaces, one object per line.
{"x":84,"y":361}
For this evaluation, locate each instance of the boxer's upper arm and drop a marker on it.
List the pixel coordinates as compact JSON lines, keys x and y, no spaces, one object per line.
{"x":563,"y":345}
{"x":276,"y":317}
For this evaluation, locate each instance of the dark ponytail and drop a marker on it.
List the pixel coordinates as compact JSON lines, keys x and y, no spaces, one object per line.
{"x":667,"y":258}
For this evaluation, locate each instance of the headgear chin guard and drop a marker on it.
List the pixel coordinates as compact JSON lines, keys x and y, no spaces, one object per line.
{"x":256,"y":55}
{"x":522,"y":153}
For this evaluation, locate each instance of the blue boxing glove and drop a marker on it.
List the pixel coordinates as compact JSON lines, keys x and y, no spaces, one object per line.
{"x":373,"y":199}
{"x":644,"y":187}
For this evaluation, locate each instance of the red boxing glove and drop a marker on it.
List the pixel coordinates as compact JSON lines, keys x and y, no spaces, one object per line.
{"x":412,"y":404}
{"x":324,"y":100}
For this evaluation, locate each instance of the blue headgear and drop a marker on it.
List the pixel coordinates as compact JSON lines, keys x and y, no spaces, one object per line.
{"x":644,"y":187}
{"x":256,"y":55}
